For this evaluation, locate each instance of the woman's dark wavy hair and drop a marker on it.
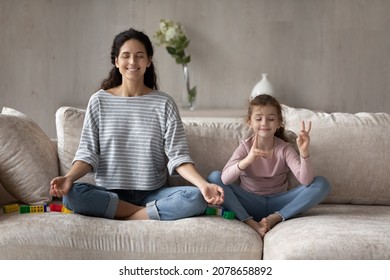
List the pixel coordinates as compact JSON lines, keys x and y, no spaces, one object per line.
{"x":263,"y":100}
{"x":114,"y":78}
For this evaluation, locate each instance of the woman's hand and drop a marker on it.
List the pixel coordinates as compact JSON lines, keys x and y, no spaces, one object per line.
{"x":303,"y":139}
{"x":212,"y":193}
{"x":60,"y":186}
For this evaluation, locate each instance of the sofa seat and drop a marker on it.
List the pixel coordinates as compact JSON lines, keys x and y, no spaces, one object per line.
{"x":332,"y":232}
{"x":72,"y":236}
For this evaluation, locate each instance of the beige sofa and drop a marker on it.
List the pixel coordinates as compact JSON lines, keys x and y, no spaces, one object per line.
{"x":351,"y":150}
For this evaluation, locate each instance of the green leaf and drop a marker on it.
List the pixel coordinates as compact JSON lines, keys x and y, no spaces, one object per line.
{"x":182,"y":43}
{"x":171,"y":50}
{"x":186,"y":43}
{"x":192,"y":95}
{"x":187,"y":59}
{"x":180,"y":53}
{"x":179,"y":60}
{"x":192,"y":92}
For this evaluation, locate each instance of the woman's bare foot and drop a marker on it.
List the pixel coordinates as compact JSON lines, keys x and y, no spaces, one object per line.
{"x":128,"y":211}
{"x":140,"y":215}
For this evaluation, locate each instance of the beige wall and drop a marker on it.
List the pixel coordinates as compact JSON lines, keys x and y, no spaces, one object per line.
{"x":331,"y":55}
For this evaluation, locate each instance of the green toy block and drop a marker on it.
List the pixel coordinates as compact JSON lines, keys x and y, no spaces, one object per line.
{"x":230,"y":215}
{"x":211,"y":211}
{"x":24,"y":209}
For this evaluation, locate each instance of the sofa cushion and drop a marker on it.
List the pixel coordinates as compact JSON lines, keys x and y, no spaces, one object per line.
{"x":351,"y":151}
{"x":220,"y":138}
{"x":332,"y":232}
{"x":69,"y":124}
{"x":72,"y":236}
{"x":28,"y":158}
{"x":213,"y":142}
{"x":5,"y":197}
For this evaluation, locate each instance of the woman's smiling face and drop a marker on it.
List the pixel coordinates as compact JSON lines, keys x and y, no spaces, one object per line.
{"x":132,"y":60}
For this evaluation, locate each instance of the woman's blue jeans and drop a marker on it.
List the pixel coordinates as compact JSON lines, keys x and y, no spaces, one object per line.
{"x":165,"y":203}
{"x":288,"y":204}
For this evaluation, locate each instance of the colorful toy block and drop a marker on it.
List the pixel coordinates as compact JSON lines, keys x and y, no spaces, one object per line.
{"x":11,"y":208}
{"x":230,"y":215}
{"x":213,"y":210}
{"x":24,"y":209}
{"x":37,"y":208}
{"x":66,"y":210}
{"x":55,"y":207}
{"x":210,"y":211}
{"x":220,"y":211}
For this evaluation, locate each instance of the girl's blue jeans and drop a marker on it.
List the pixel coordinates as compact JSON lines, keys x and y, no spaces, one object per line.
{"x":288,"y":204}
{"x":165,"y":203}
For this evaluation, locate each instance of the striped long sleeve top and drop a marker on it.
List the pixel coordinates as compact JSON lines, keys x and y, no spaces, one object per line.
{"x":131,"y":142}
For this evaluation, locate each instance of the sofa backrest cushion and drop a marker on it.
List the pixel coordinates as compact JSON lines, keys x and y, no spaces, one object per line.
{"x":351,"y":151}
{"x":69,"y":124}
{"x":28,"y":158}
{"x":211,"y":142}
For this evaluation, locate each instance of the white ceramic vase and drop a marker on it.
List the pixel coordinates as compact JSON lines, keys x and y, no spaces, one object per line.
{"x":264,"y":86}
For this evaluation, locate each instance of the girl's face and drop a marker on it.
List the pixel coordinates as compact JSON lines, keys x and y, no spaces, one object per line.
{"x":132,"y":60}
{"x":264,"y":120}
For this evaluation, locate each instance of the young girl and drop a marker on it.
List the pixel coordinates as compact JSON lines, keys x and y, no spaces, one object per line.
{"x":262,"y":163}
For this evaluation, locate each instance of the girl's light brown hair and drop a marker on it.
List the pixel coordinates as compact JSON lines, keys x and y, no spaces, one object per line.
{"x":268,"y":100}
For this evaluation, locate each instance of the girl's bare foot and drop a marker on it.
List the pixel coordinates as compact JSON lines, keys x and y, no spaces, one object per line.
{"x":274,"y":219}
{"x":260,"y":227}
{"x":265,"y":224}
{"x":264,"y":227}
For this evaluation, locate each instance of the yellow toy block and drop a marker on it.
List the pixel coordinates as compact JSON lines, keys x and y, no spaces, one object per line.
{"x":37,"y":209}
{"x":11,"y":208}
{"x":66,"y":210}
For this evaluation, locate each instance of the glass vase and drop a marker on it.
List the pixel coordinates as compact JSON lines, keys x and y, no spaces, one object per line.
{"x":189,"y":94}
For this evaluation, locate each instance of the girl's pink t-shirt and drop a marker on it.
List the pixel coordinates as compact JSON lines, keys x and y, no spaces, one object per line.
{"x":268,"y":176}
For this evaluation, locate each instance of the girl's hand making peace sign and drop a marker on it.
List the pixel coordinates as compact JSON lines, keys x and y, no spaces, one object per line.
{"x":255,"y":152}
{"x":303,"y":139}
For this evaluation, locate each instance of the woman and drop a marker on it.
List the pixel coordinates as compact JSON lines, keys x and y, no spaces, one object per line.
{"x":130,"y":128}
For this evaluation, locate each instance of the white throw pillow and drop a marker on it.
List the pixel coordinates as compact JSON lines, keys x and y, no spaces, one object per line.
{"x":351,"y":151}
{"x":28,"y":158}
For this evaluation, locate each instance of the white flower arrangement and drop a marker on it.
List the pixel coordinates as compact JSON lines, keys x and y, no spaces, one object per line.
{"x":172,"y":36}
